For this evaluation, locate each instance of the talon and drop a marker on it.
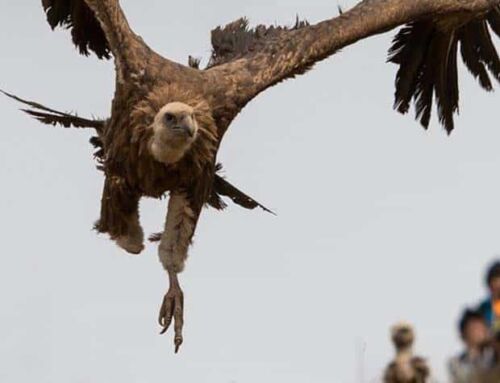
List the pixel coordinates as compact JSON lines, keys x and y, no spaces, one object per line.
{"x":178,"y":342}
{"x":165,"y":316}
{"x":172,"y":310}
{"x":161,"y":316}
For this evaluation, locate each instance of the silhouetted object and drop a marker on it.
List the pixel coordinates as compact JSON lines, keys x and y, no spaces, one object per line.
{"x":167,"y":120}
{"x":405,"y":368}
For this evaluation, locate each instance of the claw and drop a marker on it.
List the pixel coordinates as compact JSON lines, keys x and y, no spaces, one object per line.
{"x":165,"y":317}
{"x":172,"y":308}
{"x":179,"y":321}
{"x":178,"y":342}
{"x":161,"y":315}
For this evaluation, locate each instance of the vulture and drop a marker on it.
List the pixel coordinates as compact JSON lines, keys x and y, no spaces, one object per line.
{"x":405,"y":368}
{"x":167,"y":120}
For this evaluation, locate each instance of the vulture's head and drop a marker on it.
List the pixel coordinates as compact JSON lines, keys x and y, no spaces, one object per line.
{"x":402,"y":336}
{"x":175,"y":129}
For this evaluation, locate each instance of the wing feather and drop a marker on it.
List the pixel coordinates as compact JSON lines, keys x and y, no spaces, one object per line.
{"x":446,"y":81}
{"x":223,"y":188}
{"x":53,"y":117}
{"x":426,"y":52}
{"x":425,"y":90}
{"x":237,"y":39}
{"x":486,"y":49}
{"x":472,"y":60}
{"x":494,"y":20}
{"x":409,"y":51}
{"x":87,"y":34}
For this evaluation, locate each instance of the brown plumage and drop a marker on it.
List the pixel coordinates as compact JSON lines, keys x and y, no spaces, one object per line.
{"x":426,"y":52}
{"x":405,"y":368}
{"x":167,"y":120}
{"x":237,"y":39}
{"x":220,"y":188}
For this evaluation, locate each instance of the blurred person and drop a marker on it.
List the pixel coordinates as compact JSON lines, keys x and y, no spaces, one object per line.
{"x":491,"y":375}
{"x":478,"y":356}
{"x":490,"y":307}
{"x":405,"y":368}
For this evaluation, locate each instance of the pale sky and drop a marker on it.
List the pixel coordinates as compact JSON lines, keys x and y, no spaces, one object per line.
{"x":378,"y":221}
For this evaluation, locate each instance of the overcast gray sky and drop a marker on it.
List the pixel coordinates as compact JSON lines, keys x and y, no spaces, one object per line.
{"x":378,"y":221}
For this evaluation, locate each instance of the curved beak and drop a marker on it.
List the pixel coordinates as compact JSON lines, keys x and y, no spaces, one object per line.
{"x":184,"y":129}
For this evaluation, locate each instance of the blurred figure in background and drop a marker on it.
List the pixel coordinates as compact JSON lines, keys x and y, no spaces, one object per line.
{"x":405,"y":368}
{"x":478,"y":356}
{"x":490,"y":307}
{"x":492,"y":375}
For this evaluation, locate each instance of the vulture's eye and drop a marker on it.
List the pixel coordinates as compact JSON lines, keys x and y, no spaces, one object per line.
{"x":169,"y":117}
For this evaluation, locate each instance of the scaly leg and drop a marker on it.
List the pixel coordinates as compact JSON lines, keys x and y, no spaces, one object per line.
{"x":174,"y":244}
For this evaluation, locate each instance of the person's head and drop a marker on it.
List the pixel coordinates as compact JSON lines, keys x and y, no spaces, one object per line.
{"x":473,"y":329}
{"x":493,"y":279}
{"x":402,"y":336}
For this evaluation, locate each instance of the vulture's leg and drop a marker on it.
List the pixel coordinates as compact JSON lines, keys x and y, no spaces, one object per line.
{"x":120,"y":215}
{"x":173,"y":248}
{"x":133,"y":240}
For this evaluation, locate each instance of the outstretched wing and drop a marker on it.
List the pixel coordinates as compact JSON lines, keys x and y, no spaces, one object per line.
{"x":252,"y":60}
{"x":426,"y":52}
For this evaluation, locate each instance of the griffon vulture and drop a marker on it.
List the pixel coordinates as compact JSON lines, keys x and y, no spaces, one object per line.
{"x":167,"y":120}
